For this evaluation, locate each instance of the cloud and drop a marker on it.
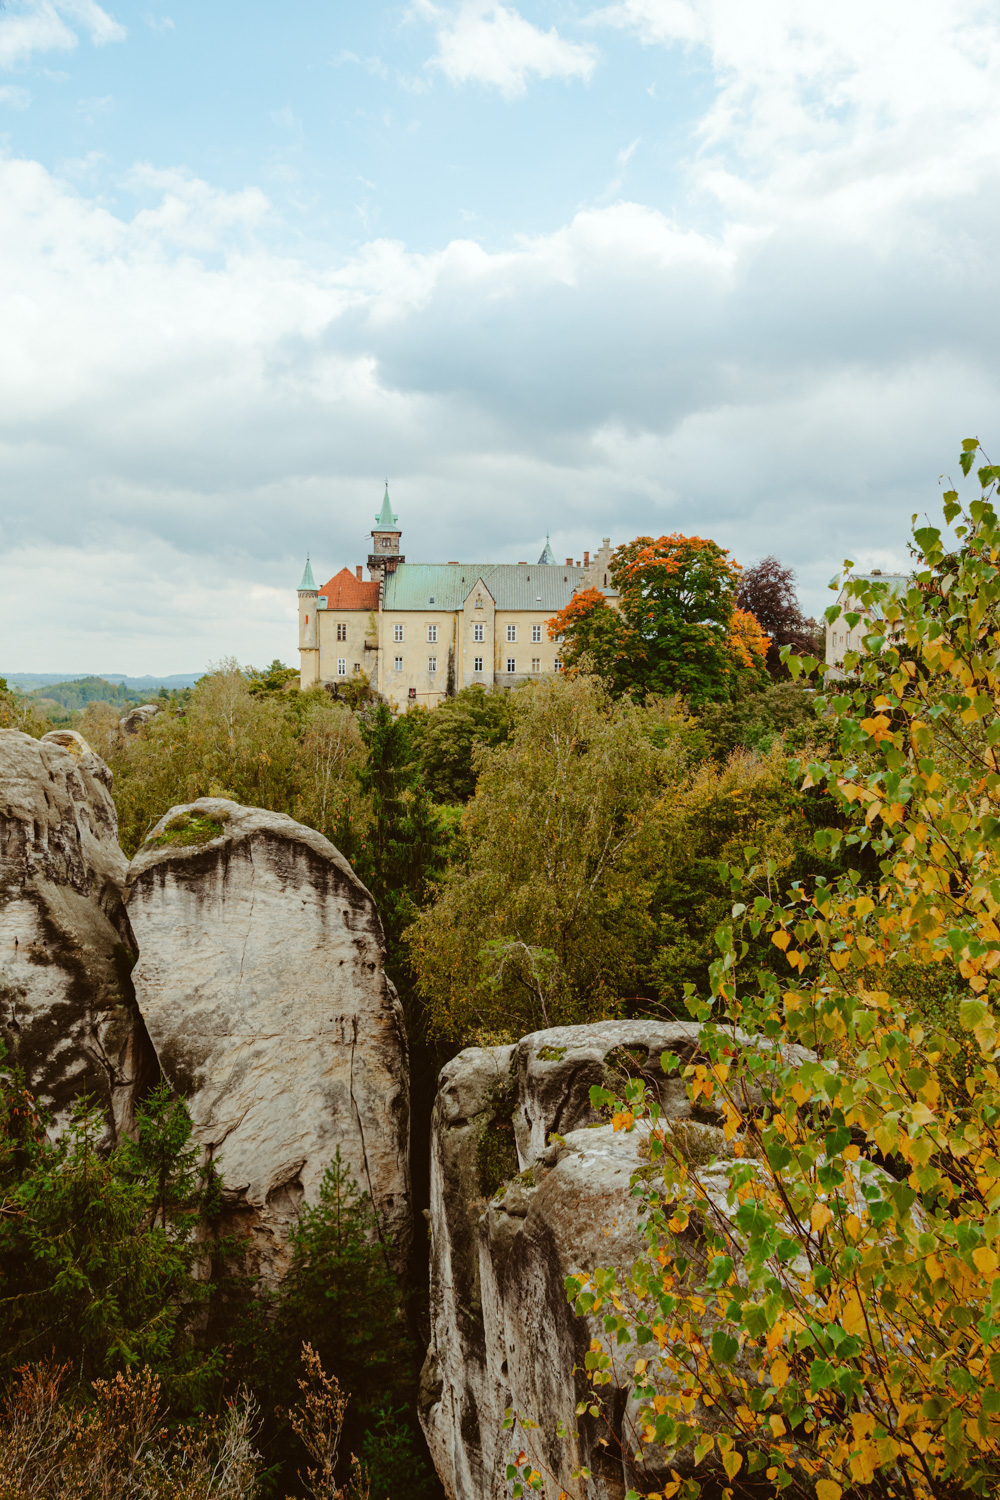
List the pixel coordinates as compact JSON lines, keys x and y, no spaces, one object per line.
{"x":53,"y":25}
{"x":14,"y":97}
{"x":785,"y":362}
{"x":490,"y":43}
{"x":92,"y":109}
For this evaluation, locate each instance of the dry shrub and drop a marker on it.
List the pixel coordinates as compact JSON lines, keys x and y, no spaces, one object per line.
{"x":116,"y":1447}
{"x":317,"y":1421}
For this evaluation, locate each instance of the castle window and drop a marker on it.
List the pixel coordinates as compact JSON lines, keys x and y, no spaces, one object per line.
{"x":557,"y":664}
{"x":477,"y":632}
{"x":512,"y":632}
{"x":477,"y":663}
{"x":432,"y":664}
{"x":511,"y":664}
{"x":432,"y":632}
{"x":536,"y":663}
{"x":341,"y":632}
{"x":536,"y":632}
{"x":399,"y":663}
{"x":605,"y":580}
{"x":357,"y":666}
{"x":341,"y":666}
{"x":397,"y":632}
{"x":479,"y":602}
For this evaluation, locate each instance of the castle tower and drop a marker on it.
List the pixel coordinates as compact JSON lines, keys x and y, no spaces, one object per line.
{"x":308,"y":630}
{"x":385,"y":557}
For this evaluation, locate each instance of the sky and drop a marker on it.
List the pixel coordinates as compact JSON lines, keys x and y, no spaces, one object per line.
{"x":549,"y":267}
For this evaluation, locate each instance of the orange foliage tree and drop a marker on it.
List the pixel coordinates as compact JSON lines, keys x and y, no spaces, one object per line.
{"x":676,"y":628}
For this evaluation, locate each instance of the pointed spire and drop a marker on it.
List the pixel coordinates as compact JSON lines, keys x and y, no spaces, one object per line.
{"x":308,"y":584}
{"x":386,"y":520}
{"x":547,"y":554}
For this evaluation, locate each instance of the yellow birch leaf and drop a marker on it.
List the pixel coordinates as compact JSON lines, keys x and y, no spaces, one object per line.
{"x":732,"y":1462}
{"x":826,"y":1489}
{"x":852,"y":1315}
{"x":820,"y":1217}
{"x":985,"y":1259}
{"x":779,"y":1373}
{"x":781,"y":939}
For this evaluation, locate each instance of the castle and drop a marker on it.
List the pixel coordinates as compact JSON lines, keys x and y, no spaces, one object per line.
{"x":421,"y":631}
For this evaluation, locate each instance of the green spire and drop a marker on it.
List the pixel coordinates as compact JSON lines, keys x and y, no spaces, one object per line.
{"x":385,"y":520}
{"x":308,"y":583}
{"x":547,"y":556}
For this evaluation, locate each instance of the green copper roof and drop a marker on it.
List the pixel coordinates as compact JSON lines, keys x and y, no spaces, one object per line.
{"x":548,"y":555}
{"x":385,"y":520}
{"x":308,"y":583}
{"x":446,"y":586}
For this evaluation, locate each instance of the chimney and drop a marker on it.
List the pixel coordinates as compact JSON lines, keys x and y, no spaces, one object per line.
{"x":586,"y":559}
{"x":569,"y":562}
{"x":357,"y":572}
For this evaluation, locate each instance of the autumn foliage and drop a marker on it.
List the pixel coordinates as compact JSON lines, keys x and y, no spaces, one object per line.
{"x":839,"y":1331}
{"x":676,"y":628}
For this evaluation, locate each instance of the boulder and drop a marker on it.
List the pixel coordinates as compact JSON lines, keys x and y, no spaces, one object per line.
{"x":528,"y":1186}
{"x":67,"y":1007}
{"x":137,"y":718}
{"x":261,"y":982}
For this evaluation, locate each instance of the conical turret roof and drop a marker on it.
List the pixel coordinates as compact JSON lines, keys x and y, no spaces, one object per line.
{"x":547,"y":554}
{"x":308,"y":584}
{"x":386,"y":520}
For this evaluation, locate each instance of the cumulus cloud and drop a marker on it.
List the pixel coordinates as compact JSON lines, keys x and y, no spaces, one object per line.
{"x":53,"y":25}
{"x":490,"y":43}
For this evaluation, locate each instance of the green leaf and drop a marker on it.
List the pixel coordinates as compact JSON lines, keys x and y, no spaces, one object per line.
{"x":972,"y":1012}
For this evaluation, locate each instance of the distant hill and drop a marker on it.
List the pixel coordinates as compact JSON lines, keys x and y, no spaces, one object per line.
{"x":28,"y":681}
{"x":77,"y":693}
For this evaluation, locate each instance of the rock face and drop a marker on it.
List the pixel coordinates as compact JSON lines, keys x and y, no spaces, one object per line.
{"x":137,"y":718}
{"x":66,"y":1004}
{"x":512,"y":1214}
{"x":261,"y":982}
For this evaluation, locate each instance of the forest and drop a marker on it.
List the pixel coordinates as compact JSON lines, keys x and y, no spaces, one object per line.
{"x":691,"y":820}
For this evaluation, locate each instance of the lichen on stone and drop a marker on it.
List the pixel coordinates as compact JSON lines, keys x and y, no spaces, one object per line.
{"x":551,"y":1054}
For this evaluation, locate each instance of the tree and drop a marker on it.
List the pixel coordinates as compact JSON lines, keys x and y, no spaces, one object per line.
{"x":706,"y":827}
{"x":341,"y":1297}
{"x":544,"y":920}
{"x":444,"y":738}
{"x":97,"y":1249}
{"x":845,"y":1335}
{"x":676,"y":628}
{"x":767,"y":591}
{"x":402,"y":843}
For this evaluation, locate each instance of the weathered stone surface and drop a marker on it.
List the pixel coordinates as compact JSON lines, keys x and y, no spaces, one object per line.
{"x":137,"y":718}
{"x":503,"y":1334}
{"x":68,"y":1014}
{"x":261,"y":981}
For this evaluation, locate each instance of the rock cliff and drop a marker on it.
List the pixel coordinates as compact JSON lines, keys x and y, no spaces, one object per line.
{"x":513,"y":1212}
{"x":261,"y":982}
{"x":67,"y":1010}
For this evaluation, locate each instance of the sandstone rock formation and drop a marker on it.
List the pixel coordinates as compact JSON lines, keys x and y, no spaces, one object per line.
{"x":512,"y":1214}
{"x":261,"y":982}
{"x":67,"y":1010}
{"x":137,"y":718}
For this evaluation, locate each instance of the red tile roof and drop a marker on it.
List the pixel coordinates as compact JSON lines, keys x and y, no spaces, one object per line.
{"x":346,"y":591}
